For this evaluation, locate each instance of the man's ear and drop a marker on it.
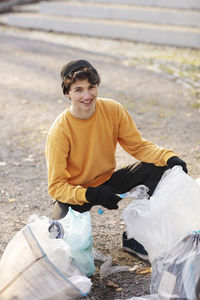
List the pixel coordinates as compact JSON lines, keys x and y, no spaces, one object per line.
{"x":67,"y":96}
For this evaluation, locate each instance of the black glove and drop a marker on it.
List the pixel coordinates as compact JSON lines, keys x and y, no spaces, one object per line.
{"x":102,"y":195}
{"x":176,"y":161}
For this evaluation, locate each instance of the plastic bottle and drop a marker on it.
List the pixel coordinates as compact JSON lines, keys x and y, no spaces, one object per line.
{"x":138,"y":192}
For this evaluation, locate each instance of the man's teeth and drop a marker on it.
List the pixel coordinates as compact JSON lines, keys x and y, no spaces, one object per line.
{"x":86,"y":102}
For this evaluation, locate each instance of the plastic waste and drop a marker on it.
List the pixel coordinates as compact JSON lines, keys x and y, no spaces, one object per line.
{"x":106,"y":268}
{"x":55,"y":230}
{"x":100,"y":211}
{"x":176,"y":272}
{"x":138,"y":192}
{"x":78,"y":235}
{"x":35,"y":266}
{"x":198,"y":180}
{"x":169,"y":228}
{"x":172,"y":211}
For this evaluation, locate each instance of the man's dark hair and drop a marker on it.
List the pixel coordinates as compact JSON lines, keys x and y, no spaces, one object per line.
{"x":80,"y":74}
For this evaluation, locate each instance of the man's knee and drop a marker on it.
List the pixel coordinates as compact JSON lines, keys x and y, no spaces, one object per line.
{"x":60,"y":210}
{"x":152,"y":169}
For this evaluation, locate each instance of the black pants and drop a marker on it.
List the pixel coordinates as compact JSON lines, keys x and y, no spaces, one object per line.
{"x":122,"y":181}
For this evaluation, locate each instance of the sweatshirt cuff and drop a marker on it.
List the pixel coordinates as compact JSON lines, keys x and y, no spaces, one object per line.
{"x":168,"y":156}
{"x":80,"y":195}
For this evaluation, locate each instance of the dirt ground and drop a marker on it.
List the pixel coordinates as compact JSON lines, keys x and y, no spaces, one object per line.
{"x":165,"y":109}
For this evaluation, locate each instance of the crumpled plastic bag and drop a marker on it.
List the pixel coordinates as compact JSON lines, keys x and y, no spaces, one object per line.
{"x":106,"y":268}
{"x":78,"y":235}
{"x":35,"y":266}
{"x":176,"y":272}
{"x":172,"y":211}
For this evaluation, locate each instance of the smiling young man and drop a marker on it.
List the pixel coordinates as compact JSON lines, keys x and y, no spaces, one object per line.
{"x":81,"y":146}
{"x":83,"y":98}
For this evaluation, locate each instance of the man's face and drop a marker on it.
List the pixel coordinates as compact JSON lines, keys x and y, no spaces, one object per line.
{"x":83,"y":98}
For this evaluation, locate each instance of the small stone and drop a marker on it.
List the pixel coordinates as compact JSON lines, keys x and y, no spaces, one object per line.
{"x":29,"y":158}
{"x":11,"y":200}
{"x":16,"y":164}
{"x":24,"y":102}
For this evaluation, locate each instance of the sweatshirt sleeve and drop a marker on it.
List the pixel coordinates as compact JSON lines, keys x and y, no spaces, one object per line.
{"x":57,"y":150}
{"x":132,"y":142}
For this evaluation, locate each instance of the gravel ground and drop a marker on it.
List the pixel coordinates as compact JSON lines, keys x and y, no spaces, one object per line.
{"x":164,"y":104}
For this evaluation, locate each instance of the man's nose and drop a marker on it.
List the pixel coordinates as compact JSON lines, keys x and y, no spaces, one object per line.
{"x":86,"y":94}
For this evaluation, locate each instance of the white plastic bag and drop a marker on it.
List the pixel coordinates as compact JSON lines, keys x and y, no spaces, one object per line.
{"x":78,"y":235}
{"x":35,"y":266}
{"x":198,"y":180}
{"x":171,"y":212}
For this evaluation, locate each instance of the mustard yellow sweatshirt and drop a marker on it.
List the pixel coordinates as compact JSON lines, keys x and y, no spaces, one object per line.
{"x":81,"y":152}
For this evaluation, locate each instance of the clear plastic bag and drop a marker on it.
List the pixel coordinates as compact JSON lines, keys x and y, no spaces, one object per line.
{"x":106,"y":268}
{"x":138,"y":192}
{"x":176,"y":272}
{"x":78,"y":235}
{"x":34,"y":266}
{"x":171,"y":212}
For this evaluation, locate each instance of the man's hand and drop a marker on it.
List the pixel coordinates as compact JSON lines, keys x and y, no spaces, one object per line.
{"x":176,"y":161}
{"x":102,"y":195}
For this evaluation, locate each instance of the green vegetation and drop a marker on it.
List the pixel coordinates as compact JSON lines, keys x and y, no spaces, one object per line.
{"x":178,"y":63}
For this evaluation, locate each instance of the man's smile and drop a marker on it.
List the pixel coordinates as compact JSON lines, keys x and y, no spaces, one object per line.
{"x":86,"y":102}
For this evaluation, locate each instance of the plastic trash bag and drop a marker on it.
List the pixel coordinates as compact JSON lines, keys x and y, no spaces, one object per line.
{"x":198,"y":180}
{"x":106,"y":268}
{"x":34,"y":266}
{"x":176,"y":272}
{"x":78,"y":235}
{"x":171,"y":212}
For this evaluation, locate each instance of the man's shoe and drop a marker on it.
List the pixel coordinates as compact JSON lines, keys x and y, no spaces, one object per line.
{"x":133,"y":247}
